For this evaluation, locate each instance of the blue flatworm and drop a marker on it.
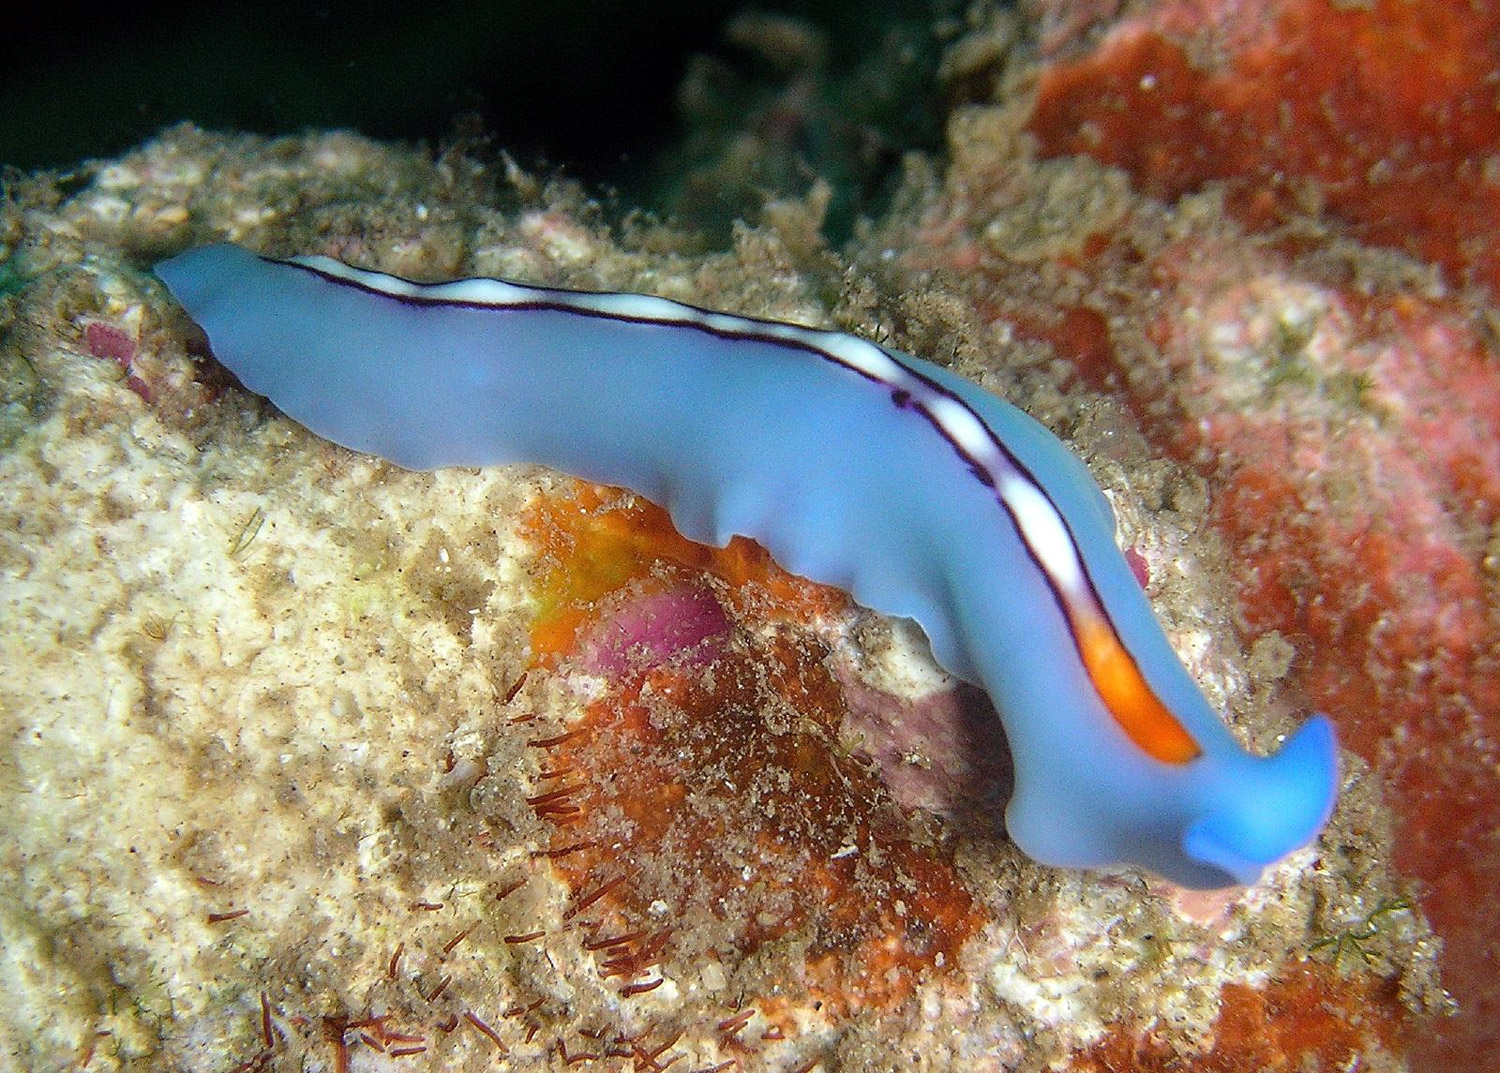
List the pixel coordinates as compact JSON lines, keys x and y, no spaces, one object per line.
{"x":855,"y":465}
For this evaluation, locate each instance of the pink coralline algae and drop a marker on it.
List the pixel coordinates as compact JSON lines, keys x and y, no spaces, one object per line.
{"x":113,"y":343}
{"x":647,"y":629}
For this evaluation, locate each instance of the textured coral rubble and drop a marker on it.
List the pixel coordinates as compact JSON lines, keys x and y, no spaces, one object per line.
{"x":317,"y":762}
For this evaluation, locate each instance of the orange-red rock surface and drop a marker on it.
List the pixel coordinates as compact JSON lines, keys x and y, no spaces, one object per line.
{"x":1342,"y":406}
{"x":1380,"y":114}
{"x":674,"y":792}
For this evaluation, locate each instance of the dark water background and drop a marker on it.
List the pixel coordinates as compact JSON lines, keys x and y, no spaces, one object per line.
{"x":591,"y":86}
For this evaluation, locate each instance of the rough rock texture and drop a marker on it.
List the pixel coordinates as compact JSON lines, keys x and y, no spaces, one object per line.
{"x":315,"y":763}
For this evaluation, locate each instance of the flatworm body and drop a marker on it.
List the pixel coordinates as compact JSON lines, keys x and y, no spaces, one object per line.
{"x":858,"y":466}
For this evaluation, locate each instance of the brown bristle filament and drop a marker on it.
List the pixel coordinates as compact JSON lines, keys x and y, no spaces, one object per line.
{"x":460,"y":937}
{"x":731,"y":1025}
{"x":333,"y":1032}
{"x":265,"y":1021}
{"x":589,"y":899}
{"x":635,"y":962}
{"x":652,"y":1056}
{"x":614,"y":940}
{"x":509,"y":889}
{"x":548,"y":743}
{"x":555,"y":795}
{"x":488,"y":1032}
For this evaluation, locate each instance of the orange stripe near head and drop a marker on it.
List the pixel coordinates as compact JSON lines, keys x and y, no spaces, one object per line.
{"x":1129,"y":699}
